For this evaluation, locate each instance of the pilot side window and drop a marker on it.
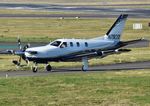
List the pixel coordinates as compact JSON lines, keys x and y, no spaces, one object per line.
{"x":71,"y":44}
{"x":78,"y":44}
{"x":55,"y":43}
{"x":86,"y":44}
{"x":63,"y":45}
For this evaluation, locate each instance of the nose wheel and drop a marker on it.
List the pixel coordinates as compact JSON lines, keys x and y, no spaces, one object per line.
{"x":35,"y":68}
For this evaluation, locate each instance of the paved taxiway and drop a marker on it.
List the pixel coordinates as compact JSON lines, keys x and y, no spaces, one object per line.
{"x":100,"y":68}
{"x":108,"y":15}
{"x":87,"y":11}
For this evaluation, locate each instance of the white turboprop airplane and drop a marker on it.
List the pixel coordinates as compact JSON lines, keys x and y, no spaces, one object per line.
{"x":65,"y":50}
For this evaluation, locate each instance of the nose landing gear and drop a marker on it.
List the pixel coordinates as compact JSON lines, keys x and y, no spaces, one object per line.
{"x":85,"y":64}
{"x":35,"y":68}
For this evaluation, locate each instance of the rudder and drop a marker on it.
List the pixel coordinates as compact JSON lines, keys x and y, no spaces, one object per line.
{"x":114,"y":33}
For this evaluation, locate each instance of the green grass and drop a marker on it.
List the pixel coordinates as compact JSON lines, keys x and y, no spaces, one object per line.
{"x":127,"y":88}
{"x":44,"y":29}
{"x":136,"y":54}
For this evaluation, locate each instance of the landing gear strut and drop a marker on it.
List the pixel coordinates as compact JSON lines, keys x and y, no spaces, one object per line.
{"x":85,"y":64}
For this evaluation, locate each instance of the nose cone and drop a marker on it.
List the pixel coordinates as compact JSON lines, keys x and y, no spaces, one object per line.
{"x":29,"y":53}
{"x":42,"y":52}
{"x":32,"y":52}
{"x":37,"y":52}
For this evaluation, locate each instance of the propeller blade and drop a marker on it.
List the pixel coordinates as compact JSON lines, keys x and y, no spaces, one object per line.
{"x":20,"y":58}
{"x":19,"y":43}
{"x":26,"y":46}
{"x":7,"y":52}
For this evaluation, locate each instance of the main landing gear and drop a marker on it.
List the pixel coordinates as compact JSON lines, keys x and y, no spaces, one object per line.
{"x":85,"y":64}
{"x":47,"y":68}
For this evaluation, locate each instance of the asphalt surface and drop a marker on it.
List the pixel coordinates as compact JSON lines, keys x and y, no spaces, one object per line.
{"x":108,"y":15}
{"x":100,"y":68}
{"x":88,"y":11}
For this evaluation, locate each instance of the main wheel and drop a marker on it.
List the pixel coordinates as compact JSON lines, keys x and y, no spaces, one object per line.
{"x":83,"y":68}
{"x":34,"y":69}
{"x":48,"y":67}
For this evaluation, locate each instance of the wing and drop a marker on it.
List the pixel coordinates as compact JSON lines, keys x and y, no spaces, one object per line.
{"x":90,"y":54}
{"x":101,"y":54}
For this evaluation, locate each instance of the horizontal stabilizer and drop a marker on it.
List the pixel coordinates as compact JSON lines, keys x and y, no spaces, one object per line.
{"x":124,"y":43}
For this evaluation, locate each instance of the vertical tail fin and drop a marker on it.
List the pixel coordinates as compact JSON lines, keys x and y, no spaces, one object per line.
{"x":114,"y":33}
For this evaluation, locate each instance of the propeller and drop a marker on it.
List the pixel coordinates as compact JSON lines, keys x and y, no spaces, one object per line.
{"x":20,"y":52}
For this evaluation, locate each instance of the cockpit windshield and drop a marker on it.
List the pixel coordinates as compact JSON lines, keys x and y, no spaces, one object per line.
{"x":56,"y":43}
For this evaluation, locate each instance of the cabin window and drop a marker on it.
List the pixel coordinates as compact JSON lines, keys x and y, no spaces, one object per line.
{"x":86,"y":44}
{"x":63,"y":45}
{"x":78,"y":44}
{"x":71,"y":44}
{"x":55,"y":43}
